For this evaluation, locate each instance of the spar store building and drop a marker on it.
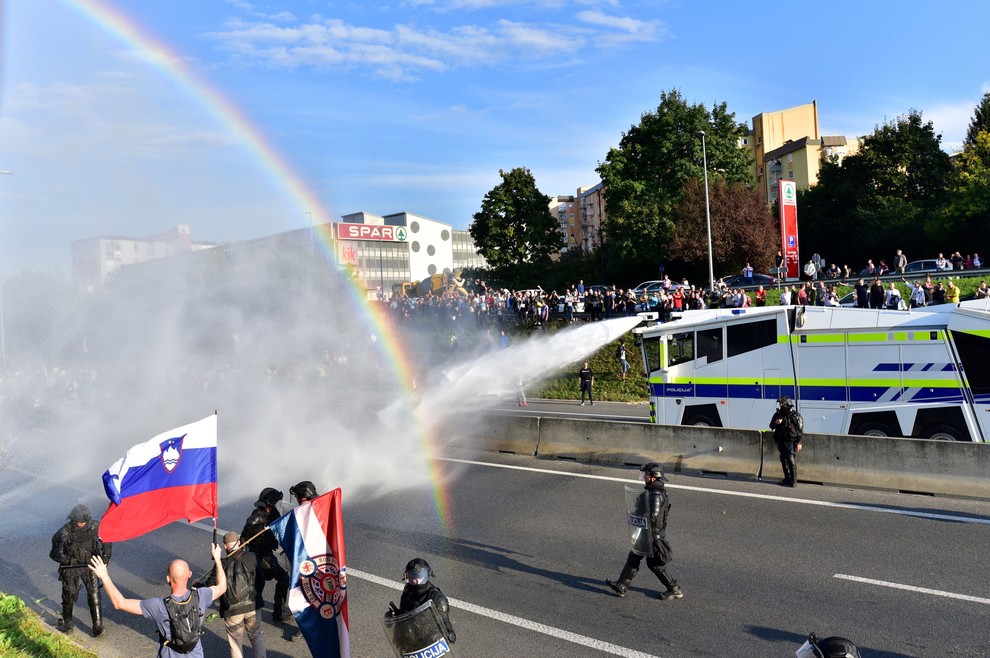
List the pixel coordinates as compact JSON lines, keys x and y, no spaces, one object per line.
{"x":390,"y":249}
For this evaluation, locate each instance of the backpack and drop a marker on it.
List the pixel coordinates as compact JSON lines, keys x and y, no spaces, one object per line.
{"x":798,"y":422}
{"x":240,"y":584}
{"x":618,"y":352}
{"x":185,"y":623}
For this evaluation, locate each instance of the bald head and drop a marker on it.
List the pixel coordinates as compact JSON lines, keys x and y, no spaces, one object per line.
{"x":179,"y":574}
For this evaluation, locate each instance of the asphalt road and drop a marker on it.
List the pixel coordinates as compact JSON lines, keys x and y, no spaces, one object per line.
{"x":524,"y":545}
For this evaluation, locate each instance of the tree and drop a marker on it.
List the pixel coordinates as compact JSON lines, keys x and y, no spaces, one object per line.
{"x":645,"y":175}
{"x":885,"y":197}
{"x":980,"y":122}
{"x":743,"y":230}
{"x":967,"y":219}
{"x":515,"y":226}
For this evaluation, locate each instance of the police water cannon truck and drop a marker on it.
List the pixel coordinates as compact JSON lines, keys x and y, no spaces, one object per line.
{"x":923,"y":373}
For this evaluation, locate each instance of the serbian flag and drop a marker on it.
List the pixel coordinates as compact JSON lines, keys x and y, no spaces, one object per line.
{"x":312,"y":536}
{"x":171,"y":477}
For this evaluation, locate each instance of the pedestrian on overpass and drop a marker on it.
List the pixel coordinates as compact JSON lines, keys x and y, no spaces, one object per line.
{"x":788,"y":430}
{"x":652,"y":505}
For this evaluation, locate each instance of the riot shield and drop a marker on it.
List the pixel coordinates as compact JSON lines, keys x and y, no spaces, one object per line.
{"x":640,"y":524}
{"x":418,"y":633}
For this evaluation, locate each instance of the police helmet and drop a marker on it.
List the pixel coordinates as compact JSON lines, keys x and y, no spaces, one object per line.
{"x":830,"y":647}
{"x":304,"y":489}
{"x":80,"y":514}
{"x":653,"y":469}
{"x":418,"y":572}
{"x":269,"y":497}
{"x":784,"y":401}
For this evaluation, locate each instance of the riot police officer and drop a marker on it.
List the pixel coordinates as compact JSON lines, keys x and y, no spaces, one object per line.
{"x":657,"y":551}
{"x":788,"y":430}
{"x":73,"y":546}
{"x":264,"y":546}
{"x":304,"y":491}
{"x":418,"y":590}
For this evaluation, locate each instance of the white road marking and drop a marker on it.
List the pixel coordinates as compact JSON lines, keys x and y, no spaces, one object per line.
{"x":912,"y":588}
{"x":606,"y":647}
{"x":740,"y":494}
{"x":537,"y":627}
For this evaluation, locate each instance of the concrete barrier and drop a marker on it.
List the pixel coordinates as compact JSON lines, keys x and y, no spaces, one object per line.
{"x":501,"y":433}
{"x":944,"y":468}
{"x":947,"y":468}
{"x":679,"y":448}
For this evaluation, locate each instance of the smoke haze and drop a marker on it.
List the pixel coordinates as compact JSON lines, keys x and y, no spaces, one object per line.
{"x":279,"y":347}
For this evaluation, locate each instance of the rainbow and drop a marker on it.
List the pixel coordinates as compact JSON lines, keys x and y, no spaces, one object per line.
{"x":174,"y":66}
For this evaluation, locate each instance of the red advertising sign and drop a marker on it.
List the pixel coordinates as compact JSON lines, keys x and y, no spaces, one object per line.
{"x":375,"y":232}
{"x":789,"y":227}
{"x":348,"y":255}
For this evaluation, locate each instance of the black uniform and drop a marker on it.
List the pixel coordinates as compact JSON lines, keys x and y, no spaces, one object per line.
{"x":264,"y":548}
{"x":418,"y":590}
{"x":658,"y":509}
{"x":787,"y":433}
{"x":73,"y":546}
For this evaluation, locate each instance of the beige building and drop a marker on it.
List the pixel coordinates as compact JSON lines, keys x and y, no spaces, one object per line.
{"x":591,"y":206}
{"x":564,"y":208}
{"x":94,"y":260}
{"x":787,"y":145}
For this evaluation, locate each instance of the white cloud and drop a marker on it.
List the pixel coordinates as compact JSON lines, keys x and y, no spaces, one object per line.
{"x":406,"y":51}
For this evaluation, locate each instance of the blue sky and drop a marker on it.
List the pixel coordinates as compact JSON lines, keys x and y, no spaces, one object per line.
{"x":415,"y":105}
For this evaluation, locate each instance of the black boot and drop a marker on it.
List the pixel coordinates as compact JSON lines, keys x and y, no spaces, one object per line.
{"x":65,"y":623}
{"x":673,"y":589}
{"x":96,"y":612}
{"x":621,"y":586}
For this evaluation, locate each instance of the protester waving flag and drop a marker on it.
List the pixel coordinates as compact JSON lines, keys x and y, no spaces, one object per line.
{"x":171,"y":477}
{"x":312,"y":536}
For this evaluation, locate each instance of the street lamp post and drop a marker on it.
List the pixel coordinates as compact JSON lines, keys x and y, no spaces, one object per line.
{"x":708,"y":213}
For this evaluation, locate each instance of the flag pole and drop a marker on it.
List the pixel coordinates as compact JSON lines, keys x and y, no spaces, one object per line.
{"x":216,"y":495}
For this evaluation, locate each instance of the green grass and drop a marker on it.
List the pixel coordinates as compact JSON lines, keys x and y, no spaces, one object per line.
{"x":608,"y":375}
{"x":23,"y":635}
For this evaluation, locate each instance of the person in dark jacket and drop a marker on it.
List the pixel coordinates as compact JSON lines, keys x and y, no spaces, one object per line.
{"x":237,"y":605}
{"x":657,"y":507}
{"x":788,"y":430}
{"x":264,"y":546}
{"x":418,"y":590}
{"x":73,"y":546}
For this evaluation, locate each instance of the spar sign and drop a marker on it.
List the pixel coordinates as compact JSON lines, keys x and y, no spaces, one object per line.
{"x":375,"y":232}
{"x":789,"y":227}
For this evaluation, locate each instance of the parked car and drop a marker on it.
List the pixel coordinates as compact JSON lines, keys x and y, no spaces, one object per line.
{"x":926,"y":265}
{"x":738,"y":280}
{"x":641,"y":288}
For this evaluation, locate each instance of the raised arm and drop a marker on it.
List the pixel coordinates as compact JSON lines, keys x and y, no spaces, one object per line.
{"x":221,"y":585}
{"x":99,"y":567}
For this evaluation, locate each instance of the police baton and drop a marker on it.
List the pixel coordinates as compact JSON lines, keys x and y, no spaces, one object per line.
{"x":245,"y":542}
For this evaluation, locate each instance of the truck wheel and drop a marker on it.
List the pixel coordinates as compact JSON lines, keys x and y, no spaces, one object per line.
{"x":875,"y":428}
{"x":700,"y":420}
{"x":941,"y":432}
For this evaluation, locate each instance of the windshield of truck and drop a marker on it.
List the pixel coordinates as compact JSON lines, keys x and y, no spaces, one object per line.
{"x":681,"y":348}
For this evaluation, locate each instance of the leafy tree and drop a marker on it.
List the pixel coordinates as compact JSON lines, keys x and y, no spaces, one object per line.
{"x":980,"y":122}
{"x":967,"y":219}
{"x":645,"y":175}
{"x":743,"y":230}
{"x":882,"y":198}
{"x":515,"y":226}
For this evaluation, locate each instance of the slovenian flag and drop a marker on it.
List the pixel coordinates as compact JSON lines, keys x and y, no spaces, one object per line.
{"x":312,"y":536}
{"x":171,"y":477}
